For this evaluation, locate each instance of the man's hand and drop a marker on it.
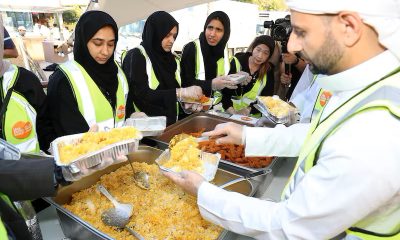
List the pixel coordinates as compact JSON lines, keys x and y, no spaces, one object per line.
{"x":189,"y":181}
{"x":286,"y":79}
{"x":230,"y":132}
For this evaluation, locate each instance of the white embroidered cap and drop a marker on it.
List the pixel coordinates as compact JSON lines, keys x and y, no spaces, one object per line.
{"x":382,"y":15}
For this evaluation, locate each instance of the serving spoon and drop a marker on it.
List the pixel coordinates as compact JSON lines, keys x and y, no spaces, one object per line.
{"x":119,"y":215}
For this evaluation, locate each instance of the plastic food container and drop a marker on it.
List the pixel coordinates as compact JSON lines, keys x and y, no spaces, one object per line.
{"x":149,"y":126}
{"x":283,"y":107}
{"x":94,"y":158}
{"x":237,"y":78}
{"x":210,"y":162}
{"x":205,"y":105}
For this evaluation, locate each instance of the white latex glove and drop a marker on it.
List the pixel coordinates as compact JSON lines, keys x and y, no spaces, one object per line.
{"x":230,"y":132}
{"x":222,"y":82}
{"x":248,"y":78}
{"x":192,"y":92}
{"x":192,"y":107}
{"x":138,"y":115}
{"x":244,"y":111}
{"x":71,"y":177}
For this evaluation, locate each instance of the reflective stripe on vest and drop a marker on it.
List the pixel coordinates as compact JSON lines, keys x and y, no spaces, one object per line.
{"x":246,"y":99}
{"x":3,"y":231}
{"x":20,"y":117}
{"x":319,"y":131}
{"x":152,"y":78}
{"x":249,"y":97}
{"x":223,"y":67}
{"x":92,"y":104}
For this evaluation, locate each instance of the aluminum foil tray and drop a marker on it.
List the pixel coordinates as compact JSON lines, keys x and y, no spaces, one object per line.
{"x":237,"y":78}
{"x":149,"y":126}
{"x":210,"y":161}
{"x":76,"y":228}
{"x":206,"y":105}
{"x":250,"y":169}
{"x":92,"y":159}
{"x":267,"y":113}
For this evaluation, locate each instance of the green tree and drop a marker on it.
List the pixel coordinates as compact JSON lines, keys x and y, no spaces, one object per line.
{"x":71,"y":16}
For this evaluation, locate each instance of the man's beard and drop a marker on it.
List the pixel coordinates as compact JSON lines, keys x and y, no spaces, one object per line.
{"x":328,"y":55}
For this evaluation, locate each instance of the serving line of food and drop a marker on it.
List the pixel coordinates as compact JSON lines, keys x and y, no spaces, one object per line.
{"x":154,"y":208}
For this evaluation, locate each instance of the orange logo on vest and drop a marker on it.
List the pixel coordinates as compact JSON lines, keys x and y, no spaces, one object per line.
{"x":21,"y":129}
{"x":323,"y":99}
{"x":121,"y":111}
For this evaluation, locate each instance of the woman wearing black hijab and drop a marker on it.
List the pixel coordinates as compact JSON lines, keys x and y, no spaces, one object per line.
{"x":92,"y":89}
{"x":210,"y":62}
{"x":153,"y":71}
{"x":256,"y":63}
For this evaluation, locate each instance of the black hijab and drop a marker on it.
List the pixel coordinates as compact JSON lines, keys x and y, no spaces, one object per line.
{"x":104,"y":75}
{"x":157,"y":26}
{"x":211,"y":54}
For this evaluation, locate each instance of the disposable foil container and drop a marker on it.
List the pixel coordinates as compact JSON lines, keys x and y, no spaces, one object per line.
{"x":149,"y":126}
{"x":92,"y":159}
{"x":267,"y":113}
{"x":209,"y":160}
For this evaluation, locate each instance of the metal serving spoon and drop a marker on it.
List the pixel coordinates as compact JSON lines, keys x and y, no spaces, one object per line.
{"x":141,"y":178}
{"x":119,"y":215}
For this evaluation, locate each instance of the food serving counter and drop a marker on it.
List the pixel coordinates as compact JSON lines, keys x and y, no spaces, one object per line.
{"x":266,"y":187}
{"x":75,"y":227}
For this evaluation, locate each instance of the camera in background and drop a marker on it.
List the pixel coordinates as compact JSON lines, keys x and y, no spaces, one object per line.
{"x":280,"y":30}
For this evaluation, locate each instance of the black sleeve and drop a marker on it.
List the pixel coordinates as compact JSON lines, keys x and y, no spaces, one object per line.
{"x":62,"y":107}
{"x":188,"y":70}
{"x":30,"y":87}
{"x":226,"y":92}
{"x":159,"y":102}
{"x":27,"y":179}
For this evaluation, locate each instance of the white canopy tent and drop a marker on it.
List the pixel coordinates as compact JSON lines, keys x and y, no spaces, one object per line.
{"x":42,"y":6}
{"x":129,"y":11}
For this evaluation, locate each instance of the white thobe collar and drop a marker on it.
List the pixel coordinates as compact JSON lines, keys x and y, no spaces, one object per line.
{"x":361,"y":75}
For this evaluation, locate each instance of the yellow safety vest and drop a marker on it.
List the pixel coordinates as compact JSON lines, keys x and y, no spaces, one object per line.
{"x":19,"y":121}
{"x":319,"y":131}
{"x":152,"y":78}
{"x":246,"y":99}
{"x":92,"y":104}
{"x":223,"y":67}
{"x":3,"y":231}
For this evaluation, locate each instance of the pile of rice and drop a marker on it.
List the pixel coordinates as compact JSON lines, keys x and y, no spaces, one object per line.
{"x":163,"y":212}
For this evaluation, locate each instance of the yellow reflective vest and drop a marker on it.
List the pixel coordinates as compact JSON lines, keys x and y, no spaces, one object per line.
{"x":319,"y":131}
{"x":246,"y":99}
{"x":19,"y":121}
{"x":92,"y":104}
{"x":152,"y":78}
{"x":223,"y":67}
